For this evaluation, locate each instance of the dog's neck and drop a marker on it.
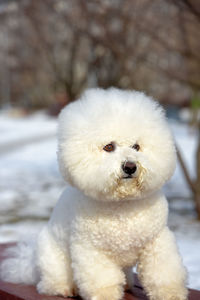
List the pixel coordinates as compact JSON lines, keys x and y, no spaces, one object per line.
{"x":140,"y":201}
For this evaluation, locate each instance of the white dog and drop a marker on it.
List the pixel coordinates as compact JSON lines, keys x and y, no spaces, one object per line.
{"x":116,"y":151}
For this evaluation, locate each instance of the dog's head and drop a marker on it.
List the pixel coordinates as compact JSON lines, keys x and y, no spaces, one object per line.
{"x":115,"y":145}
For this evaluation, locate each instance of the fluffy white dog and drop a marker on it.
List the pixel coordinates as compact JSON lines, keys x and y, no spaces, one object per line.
{"x":116,"y":151}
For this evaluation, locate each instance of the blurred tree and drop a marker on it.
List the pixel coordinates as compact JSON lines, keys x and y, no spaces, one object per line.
{"x":67,"y":45}
{"x":63,"y":48}
{"x":189,"y":49}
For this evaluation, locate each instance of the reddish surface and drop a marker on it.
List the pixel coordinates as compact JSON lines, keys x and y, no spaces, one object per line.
{"x":9,"y":291}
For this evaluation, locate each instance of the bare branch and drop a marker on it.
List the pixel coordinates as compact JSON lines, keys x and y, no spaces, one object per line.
{"x":185,"y":171}
{"x":188,"y":4}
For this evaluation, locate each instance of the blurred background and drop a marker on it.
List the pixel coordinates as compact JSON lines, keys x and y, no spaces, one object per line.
{"x":50,"y":51}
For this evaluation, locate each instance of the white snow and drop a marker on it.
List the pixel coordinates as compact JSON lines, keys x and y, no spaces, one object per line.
{"x":21,"y":131}
{"x":30,"y":184}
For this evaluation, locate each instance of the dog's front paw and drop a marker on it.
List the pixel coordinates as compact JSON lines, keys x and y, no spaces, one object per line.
{"x":114,"y":292}
{"x":55,"y":289}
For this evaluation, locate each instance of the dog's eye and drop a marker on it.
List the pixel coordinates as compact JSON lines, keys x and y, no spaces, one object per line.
{"x":109,"y":148}
{"x":136,"y":147}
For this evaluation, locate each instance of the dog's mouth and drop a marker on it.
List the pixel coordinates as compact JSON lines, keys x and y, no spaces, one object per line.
{"x":127,"y":177}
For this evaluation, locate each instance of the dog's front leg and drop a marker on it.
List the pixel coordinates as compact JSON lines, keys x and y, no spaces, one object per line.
{"x":160,"y":269}
{"x":95,"y":275}
{"x":54,"y":267}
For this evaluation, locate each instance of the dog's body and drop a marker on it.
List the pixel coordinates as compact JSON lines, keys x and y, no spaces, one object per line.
{"x":116,"y":150}
{"x":117,"y":229}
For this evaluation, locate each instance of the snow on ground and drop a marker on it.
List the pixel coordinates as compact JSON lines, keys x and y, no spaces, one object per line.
{"x":20,"y":131}
{"x":182,"y":221}
{"x":30,"y":184}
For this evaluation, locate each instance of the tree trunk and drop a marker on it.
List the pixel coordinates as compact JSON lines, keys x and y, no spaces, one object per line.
{"x":197,"y":189}
{"x":197,"y":204}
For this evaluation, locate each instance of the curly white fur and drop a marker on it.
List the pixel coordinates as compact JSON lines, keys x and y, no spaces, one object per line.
{"x":105,"y":223}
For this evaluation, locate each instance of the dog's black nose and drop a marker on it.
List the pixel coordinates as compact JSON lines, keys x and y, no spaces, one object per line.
{"x":129,"y":167}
